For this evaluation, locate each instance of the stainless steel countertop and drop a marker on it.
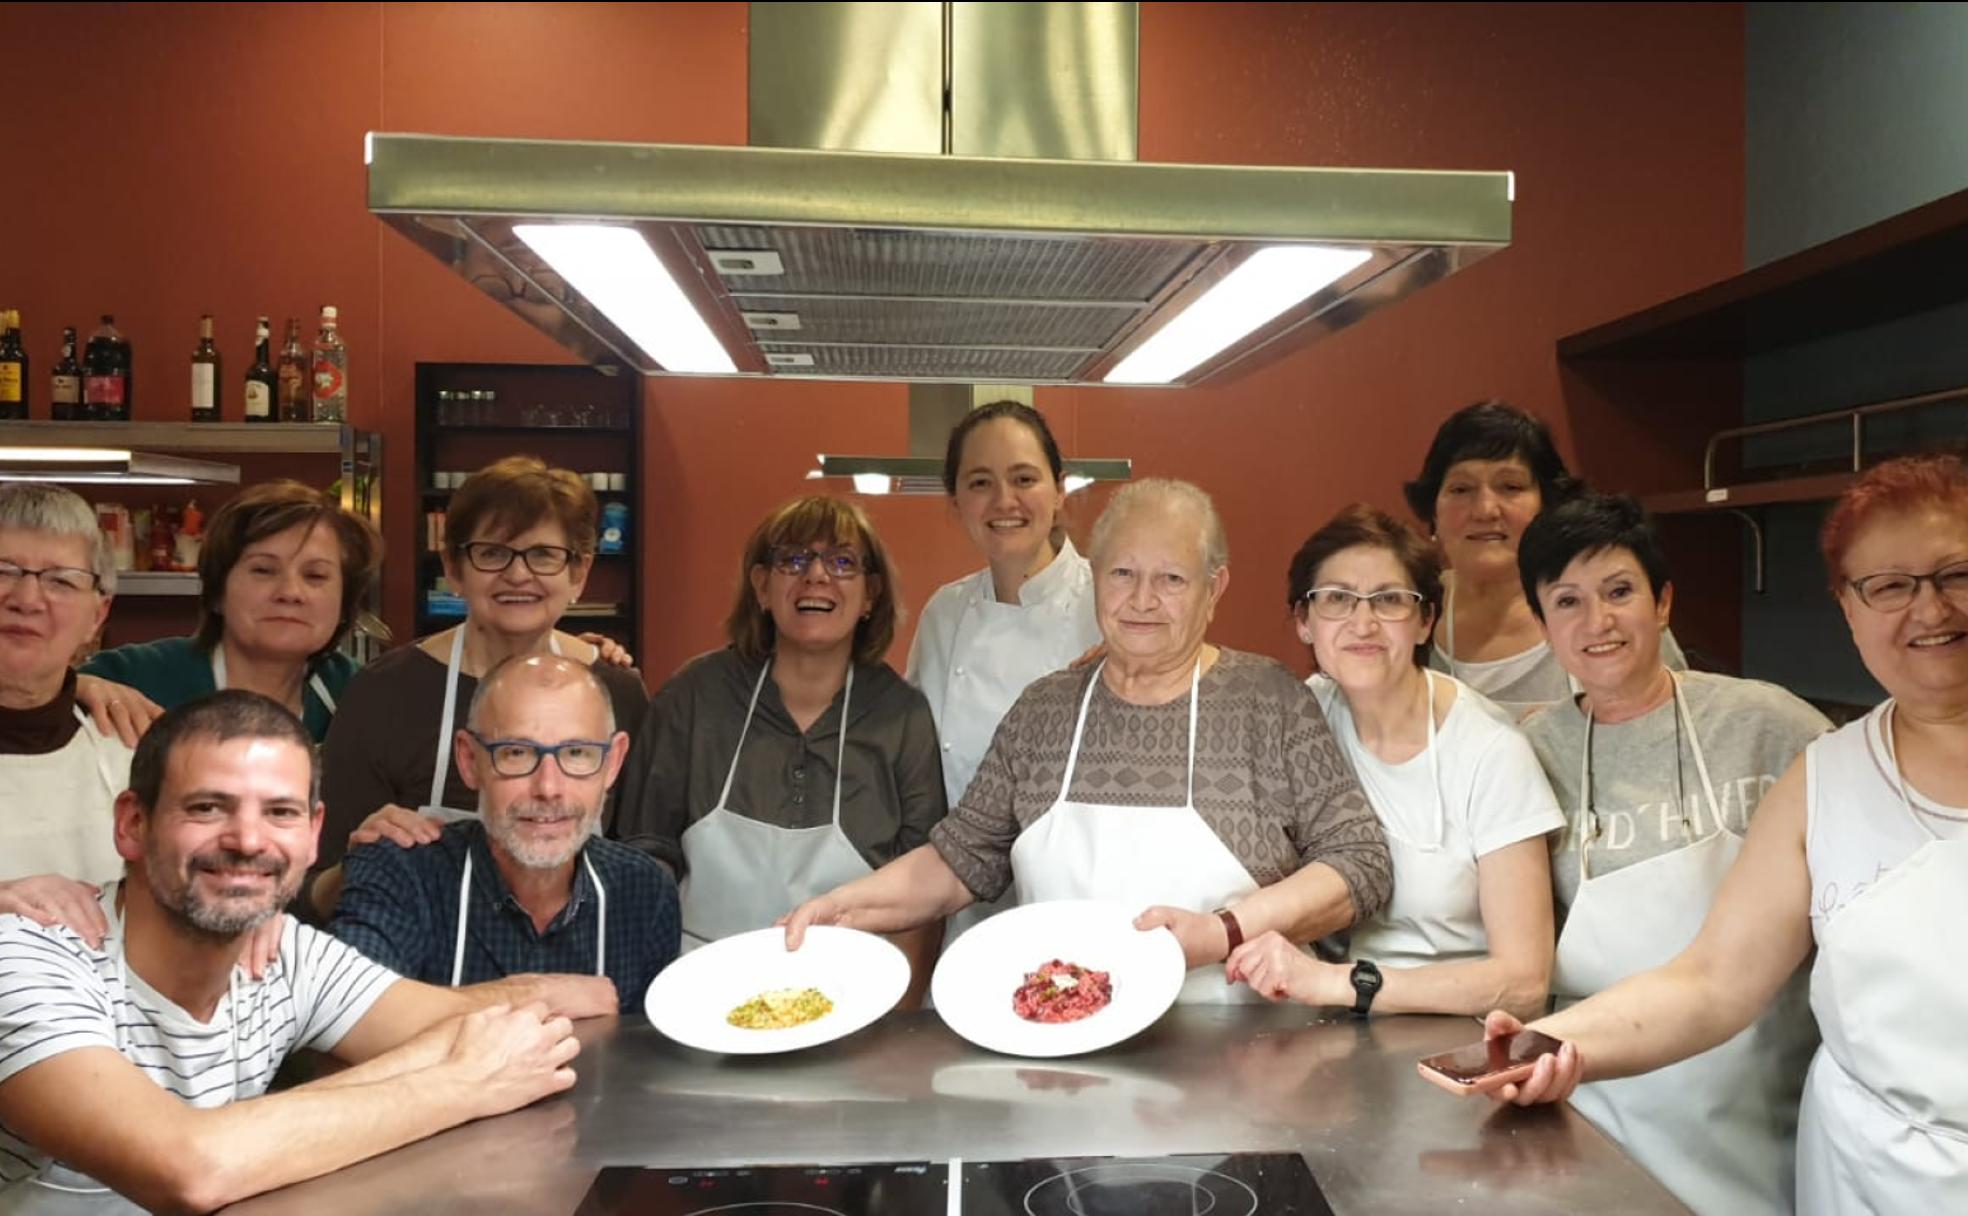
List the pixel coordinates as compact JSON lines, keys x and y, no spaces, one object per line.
{"x":1204,"y":1079}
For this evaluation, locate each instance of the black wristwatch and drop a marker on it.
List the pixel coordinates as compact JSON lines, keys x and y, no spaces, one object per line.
{"x":1366,"y":986}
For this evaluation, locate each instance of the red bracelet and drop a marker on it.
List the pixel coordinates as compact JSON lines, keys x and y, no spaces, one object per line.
{"x":1231,"y":927}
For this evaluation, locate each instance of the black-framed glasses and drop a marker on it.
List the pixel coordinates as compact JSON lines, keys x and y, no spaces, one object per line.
{"x":838,"y":563}
{"x":57,"y":582}
{"x":1892,"y":590}
{"x":1336,"y":603}
{"x":519,"y":757}
{"x":490,"y":557}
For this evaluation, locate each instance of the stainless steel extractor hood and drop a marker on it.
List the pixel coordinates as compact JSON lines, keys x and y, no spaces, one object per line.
{"x":916,"y":265}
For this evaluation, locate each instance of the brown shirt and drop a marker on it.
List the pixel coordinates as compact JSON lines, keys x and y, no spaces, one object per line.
{"x":1271,"y":780}
{"x":383,"y":742}
{"x":891,"y":780}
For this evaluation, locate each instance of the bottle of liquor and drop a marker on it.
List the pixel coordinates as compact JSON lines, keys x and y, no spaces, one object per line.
{"x":13,"y":367}
{"x":259,"y":377}
{"x":330,"y":370}
{"x":65,"y":383}
{"x":291,"y":390}
{"x":205,"y":378}
{"x":108,"y":380}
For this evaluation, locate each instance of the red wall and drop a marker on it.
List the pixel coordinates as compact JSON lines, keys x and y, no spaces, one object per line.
{"x":211,"y":163}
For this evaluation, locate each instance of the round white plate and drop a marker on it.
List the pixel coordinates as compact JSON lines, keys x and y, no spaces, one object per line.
{"x":974,"y":981}
{"x":863,"y":975}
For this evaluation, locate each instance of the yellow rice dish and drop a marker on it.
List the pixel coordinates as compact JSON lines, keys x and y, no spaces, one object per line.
{"x":781,"y":1008}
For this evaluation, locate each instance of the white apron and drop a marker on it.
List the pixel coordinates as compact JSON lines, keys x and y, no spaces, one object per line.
{"x":1137,"y":856}
{"x":314,"y":681}
{"x":1885,"y":1124}
{"x":54,"y":829}
{"x":447,"y":725}
{"x":743,"y":874}
{"x":1709,"y":1128}
{"x":464,"y":909}
{"x":1434,"y":888}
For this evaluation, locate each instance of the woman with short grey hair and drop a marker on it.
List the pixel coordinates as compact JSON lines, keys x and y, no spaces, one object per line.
{"x":61,"y":774}
{"x":1253,"y":824}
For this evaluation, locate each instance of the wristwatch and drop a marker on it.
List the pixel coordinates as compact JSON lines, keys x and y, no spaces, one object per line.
{"x":1366,"y":986}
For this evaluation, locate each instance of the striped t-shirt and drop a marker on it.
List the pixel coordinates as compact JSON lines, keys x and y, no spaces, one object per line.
{"x":58,"y":995}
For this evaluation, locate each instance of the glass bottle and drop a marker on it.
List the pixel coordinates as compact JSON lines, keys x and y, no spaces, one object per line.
{"x":259,"y":377}
{"x":291,"y":380}
{"x":205,"y":378}
{"x":13,"y":367}
{"x":330,"y":370}
{"x":65,"y":383}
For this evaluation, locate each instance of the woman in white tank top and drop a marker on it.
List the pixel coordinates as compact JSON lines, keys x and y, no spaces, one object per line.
{"x":1861,"y":851}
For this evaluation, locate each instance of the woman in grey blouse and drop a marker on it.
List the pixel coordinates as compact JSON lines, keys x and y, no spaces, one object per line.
{"x":794,"y":759}
{"x":1197,"y":783}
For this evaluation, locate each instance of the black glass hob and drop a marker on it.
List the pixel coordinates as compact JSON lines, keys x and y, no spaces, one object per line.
{"x":1235,"y":1184}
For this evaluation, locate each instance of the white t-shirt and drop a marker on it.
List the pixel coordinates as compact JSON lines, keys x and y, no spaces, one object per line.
{"x":57,"y":808}
{"x":57,"y":995}
{"x":972,"y":655}
{"x":1492,"y":793}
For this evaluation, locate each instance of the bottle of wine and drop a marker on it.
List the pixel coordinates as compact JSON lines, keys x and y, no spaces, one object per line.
{"x":330,"y":370}
{"x":205,"y":379}
{"x":13,"y":367}
{"x":65,"y":383}
{"x":259,"y":377}
{"x":108,"y":377}
{"x":291,"y":392}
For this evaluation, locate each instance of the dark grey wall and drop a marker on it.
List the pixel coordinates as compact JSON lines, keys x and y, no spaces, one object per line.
{"x":1854,"y":112}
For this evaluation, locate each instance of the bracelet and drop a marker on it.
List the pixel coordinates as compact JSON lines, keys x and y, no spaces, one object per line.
{"x":1232,"y":928}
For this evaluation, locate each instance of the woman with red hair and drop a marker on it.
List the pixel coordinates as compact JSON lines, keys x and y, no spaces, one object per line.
{"x":1861,"y":852}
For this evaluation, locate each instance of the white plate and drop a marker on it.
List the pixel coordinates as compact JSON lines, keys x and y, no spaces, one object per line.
{"x":974,"y":981}
{"x":863,"y":975}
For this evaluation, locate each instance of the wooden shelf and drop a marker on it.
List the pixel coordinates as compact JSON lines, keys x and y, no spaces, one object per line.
{"x":1821,"y":488}
{"x":270,"y":437}
{"x":1911,"y":263}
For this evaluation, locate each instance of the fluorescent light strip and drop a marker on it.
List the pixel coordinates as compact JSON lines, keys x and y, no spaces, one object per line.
{"x":618,"y":273}
{"x":872,"y":483}
{"x":1267,"y":283}
{"x":100,"y":479}
{"x":24,"y":455}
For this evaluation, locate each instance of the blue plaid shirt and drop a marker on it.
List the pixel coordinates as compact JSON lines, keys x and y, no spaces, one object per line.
{"x":400,"y":908}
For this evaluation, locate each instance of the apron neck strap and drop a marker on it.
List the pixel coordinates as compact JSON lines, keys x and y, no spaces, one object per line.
{"x":1586,"y":822}
{"x":1887,"y":717}
{"x":446,"y":725}
{"x":1435,"y":767}
{"x":1079,"y":729}
{"x":840,"y":750}
{"x":464,"y":912}
{"x":751,"y":707}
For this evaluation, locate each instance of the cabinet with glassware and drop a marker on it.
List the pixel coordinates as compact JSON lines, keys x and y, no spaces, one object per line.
{"x":576,"y":418}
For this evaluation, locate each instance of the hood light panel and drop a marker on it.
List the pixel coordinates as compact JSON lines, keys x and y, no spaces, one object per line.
{"x":619,"y":273}
{"x":1268,"y":282}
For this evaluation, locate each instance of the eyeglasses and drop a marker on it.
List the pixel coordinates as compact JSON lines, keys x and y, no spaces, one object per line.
{"x":1891,"y":590}
{"x":57,"y":582}
{"x":519,"y":757}
{"x":1337,"y":603}
{"x":488,"y":557}
{"x":838,"y":563}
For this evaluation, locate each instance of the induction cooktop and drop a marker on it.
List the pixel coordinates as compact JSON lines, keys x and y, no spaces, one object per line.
{"x":1212,"y":1184}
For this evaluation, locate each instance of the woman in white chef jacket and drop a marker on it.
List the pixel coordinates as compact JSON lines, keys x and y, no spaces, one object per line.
{"x":1459,"y":793}
{"x":1489,"y":470}
{"x":1661,"y":772}
{"x":1861,"y":850}
{"x":794,"y":759}
{"x":1028,"y":612}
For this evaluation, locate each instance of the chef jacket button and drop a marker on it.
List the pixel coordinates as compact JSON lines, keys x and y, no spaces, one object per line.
{"x":959,"y":671}
{"x":946,"y":747}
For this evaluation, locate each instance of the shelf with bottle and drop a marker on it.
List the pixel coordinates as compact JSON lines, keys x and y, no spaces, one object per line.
{"x":303,"y":385}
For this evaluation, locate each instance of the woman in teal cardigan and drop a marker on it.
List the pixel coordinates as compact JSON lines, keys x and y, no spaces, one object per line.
{"x":282,"y":574}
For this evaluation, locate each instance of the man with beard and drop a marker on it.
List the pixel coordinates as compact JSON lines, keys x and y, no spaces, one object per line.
{"x":140,"y":1065}
{"x":529,"y":885}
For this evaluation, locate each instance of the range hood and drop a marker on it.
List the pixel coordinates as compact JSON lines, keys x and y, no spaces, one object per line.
{"x":894,"y":256}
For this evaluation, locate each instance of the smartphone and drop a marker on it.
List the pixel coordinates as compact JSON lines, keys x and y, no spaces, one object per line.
{"x":1491,"y":1064}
